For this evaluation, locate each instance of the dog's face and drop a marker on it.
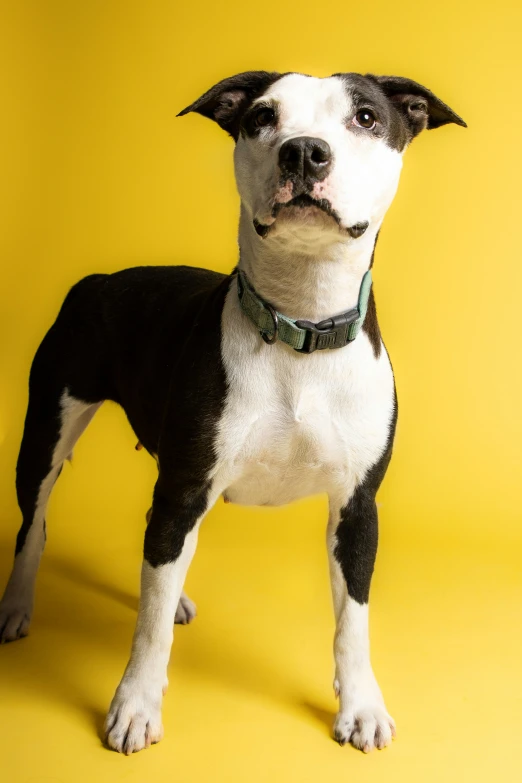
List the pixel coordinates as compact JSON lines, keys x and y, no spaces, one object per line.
{"x":319,"y":158}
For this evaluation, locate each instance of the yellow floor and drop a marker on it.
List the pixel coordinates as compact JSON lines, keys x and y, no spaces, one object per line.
{"x":250,"y":695}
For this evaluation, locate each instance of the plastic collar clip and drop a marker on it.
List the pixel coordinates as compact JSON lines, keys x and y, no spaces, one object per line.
{"x":330,"y":333}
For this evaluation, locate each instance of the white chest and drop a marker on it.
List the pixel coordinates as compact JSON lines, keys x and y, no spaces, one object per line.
{"x":297,"y":425}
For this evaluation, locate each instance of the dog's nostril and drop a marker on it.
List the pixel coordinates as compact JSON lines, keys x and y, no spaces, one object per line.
{"x":319,"y":155}
{"x":291,"y":153}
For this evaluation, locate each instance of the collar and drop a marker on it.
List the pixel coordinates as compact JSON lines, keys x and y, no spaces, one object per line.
{"x":303,"y":336}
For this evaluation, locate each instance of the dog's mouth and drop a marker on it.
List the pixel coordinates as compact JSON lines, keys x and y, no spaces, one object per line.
{"x":304,"y":201}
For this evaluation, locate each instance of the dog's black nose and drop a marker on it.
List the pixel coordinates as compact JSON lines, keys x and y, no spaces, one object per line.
{"x":306,"y":158}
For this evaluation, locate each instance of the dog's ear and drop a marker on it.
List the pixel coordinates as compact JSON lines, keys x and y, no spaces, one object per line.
{"x":227,"y":100}
{"x":419,"y":107}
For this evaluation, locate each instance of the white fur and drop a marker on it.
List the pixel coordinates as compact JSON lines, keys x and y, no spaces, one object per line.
{"x":134,"y":718}
{"x":16,"y":605}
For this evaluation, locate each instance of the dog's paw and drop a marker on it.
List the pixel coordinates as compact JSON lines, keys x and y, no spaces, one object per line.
{"x":186,"y":610}
{"x":14,"y":621}
{"x":134,"y":720}
{"x":367,"y":727}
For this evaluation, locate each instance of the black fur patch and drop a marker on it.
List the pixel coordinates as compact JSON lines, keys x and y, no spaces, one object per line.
{"x":418,"y":106}
{"x":248,"y":125}
{"x":186,"y":449}
{"x":357,"y":532}
{"x":64,"y":351}
{"x":402,"y":107}
{"x":35,"y":458}
{"x":227,"y":101}
{"x":364,"y":93}
{"x":371,"y":324}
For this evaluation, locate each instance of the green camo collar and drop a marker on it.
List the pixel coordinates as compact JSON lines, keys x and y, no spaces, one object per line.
{"x":303,"y":336}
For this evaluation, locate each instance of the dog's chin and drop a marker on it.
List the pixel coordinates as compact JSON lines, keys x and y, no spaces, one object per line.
{"x":305,"y":215}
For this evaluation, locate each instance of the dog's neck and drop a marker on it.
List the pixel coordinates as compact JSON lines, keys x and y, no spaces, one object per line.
{"x":303,"y":283}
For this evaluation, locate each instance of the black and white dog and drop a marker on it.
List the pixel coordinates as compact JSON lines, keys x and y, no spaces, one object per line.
{"x":264,"y":386}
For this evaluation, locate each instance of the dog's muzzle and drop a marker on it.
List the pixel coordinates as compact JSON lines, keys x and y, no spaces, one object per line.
{"x":303,"y":162}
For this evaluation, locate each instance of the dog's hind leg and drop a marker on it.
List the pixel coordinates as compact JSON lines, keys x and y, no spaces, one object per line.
{"x":54,"y":422}
{"x":186,"y":610}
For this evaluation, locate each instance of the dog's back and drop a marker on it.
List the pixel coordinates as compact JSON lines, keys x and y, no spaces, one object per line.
{"x":119,"y":337}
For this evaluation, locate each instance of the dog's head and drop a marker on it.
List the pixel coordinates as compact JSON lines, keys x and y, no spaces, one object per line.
{"x":319,"y":156}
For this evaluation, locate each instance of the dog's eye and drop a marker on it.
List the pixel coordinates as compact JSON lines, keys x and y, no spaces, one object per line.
{"x":263,"y":117}
{"x":365,"y":119}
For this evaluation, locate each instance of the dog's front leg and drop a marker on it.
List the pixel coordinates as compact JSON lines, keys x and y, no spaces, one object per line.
{"x":352,"y":545}
{"x":134,"y":718}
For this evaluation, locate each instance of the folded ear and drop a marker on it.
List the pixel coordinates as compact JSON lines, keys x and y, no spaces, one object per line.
{"x":226,"y":101}
{"x":419,"y":107}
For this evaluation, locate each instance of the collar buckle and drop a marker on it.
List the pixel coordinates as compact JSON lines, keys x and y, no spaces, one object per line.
{"x":331,"y":333}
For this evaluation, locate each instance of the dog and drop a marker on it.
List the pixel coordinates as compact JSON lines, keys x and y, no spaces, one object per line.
{"x":263,"y":386}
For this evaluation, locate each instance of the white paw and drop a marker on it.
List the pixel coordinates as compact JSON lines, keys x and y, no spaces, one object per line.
{"x":365,"y":725}
{"x":362,"y":719}
{"x":134,"y":719}
{"x":186,"y":610}
{"x":14,"y":620}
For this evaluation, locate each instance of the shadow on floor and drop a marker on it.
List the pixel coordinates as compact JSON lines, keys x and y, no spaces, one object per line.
{"x":324,"y":717}
{"x":65,"y":610}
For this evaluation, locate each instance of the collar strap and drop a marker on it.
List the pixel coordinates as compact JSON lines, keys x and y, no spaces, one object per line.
{"x":303,"y":336}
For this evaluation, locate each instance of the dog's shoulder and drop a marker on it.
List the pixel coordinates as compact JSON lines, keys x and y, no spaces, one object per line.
{"x":151,"y":287}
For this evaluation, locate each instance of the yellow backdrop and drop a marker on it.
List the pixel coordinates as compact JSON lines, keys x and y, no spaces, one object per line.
{"x":98,"y":175}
